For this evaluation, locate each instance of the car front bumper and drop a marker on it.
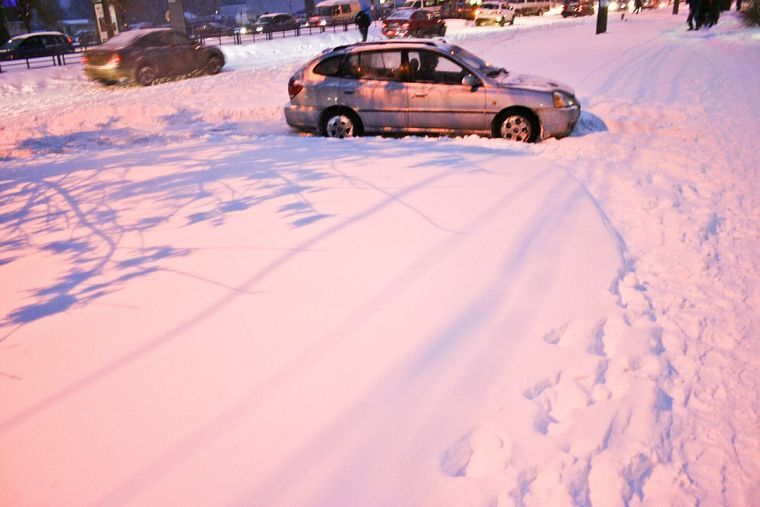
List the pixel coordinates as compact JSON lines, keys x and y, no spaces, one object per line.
{"x":558,"y":122}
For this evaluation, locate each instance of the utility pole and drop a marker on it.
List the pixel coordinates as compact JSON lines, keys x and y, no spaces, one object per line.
{"x":176,"y":15}
{"x":675,"y":6}
{"x":601,"y":17}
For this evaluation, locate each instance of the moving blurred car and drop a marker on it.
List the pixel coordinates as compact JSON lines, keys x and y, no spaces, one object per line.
{"x":35,"y":45}
{"x":413,"y":23}
{"x":492,"y":13}
{"x":149,"y":54}
{"x":618,"y":5}
{"x":278,"y":22}
{"x":397,"y":86}
{"x":577,"y":8}
{"x":210,"y":29}
{"x":465,"y":9}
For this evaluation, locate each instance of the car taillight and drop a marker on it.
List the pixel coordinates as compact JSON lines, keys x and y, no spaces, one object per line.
{"x":294,"y":87}
{"x":114,"y":61}
{"x":69,"y":40}
{"x":85,"y":59}
{"x":405,"y":25}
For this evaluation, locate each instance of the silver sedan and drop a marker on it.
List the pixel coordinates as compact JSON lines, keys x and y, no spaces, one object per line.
{"x":424,"y":87}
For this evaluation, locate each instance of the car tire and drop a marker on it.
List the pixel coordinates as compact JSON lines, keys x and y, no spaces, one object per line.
{"x":340,"y":123}
{"x":146,"y":75}
{"x":517,"y":125}
{"x":477,"y":22}
{"x":214,"y":65}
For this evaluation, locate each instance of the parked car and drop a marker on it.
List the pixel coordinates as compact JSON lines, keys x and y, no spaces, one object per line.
{"x":465,"y":9}
{"x":577,"y":8}
{"x":335,"y":12}
{"x":441,"y":8}
{"x":210,"y":29}
{"x":528,"y":7}
{"x":412,"y":86}
{"x":278,"y":22}
{"x":85,"y":37}
{"x":413,"y":23}
{"x":149,"y":54}
{"x":35,"y":45}
{"x":494,"y":13}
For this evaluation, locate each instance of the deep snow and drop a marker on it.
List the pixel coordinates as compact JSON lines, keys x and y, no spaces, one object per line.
{"x":199,"y":306}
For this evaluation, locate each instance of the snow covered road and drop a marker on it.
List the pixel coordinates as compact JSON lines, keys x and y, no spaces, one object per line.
{"x":199,"y":306}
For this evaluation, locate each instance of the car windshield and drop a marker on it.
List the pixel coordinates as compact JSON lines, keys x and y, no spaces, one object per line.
{"x":12,"y":44}
{"x":265,"y":19}
{"x":325,"y":11}
{"x":401,"y":14}
{"x":123,"y":39}
{"x":489,"y":6}
{"x":476,"y":62}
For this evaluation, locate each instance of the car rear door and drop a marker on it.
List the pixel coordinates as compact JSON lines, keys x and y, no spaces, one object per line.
{"x":372,"y":86}
{"x":438,"y":101}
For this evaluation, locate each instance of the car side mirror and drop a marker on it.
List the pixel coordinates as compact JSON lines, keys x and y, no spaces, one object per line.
{"x":472,"y":81}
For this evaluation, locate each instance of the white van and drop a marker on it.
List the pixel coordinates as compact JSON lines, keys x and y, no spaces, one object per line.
{"x":441,"y":8}
{"x":335,"y":12}
{"x":527,"y":7}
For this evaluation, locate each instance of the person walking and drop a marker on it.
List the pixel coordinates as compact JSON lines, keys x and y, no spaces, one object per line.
{"x":363,"y":20}
{"x":693,"y":17}
{"x":637,"y":7}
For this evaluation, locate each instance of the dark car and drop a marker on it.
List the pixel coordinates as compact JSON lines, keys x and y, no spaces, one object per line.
{"x":413,"y":23}
{"x":35,"y":45}
{"x":278,"y":22}
{"x":210,"y":29}
{"x":146,"y":55}
{"x":86,"y":37}
{"x":577,"y":8}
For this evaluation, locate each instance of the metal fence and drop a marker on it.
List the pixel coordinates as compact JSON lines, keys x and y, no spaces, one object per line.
{"x":229,"y":37}
{"x":40,"y":61}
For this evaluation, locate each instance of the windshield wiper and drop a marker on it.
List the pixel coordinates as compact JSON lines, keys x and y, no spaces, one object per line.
{"x":496,"y":72}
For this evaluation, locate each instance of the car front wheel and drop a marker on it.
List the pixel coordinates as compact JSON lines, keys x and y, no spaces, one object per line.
{"x":517,"y":126}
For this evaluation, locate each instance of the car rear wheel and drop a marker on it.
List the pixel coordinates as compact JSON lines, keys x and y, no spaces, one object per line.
{"x":340,"y":124}
{"x":517,"y":126}
{"x":146,"y":75}
{"x":214,"y":65}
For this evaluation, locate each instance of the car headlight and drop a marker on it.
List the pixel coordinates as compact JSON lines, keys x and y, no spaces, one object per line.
{"x":613,"y":6}
{"x":563,"y":100}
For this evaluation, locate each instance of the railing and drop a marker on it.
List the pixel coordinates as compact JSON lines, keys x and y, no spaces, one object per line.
{"x":235,"y":37}
{"x":39,"y":61}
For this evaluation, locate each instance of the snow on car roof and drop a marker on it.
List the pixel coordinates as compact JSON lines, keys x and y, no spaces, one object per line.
{"x":30,"y":34}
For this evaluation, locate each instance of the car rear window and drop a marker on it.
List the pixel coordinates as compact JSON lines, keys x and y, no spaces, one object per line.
{"x":328,"y":66}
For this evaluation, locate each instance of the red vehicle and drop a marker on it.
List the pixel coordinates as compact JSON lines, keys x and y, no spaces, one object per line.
{"x":413,"y":23}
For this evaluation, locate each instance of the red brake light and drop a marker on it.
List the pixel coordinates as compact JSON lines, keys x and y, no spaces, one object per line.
{"x":114,"y":61}
{"x":85,"y":59}
{"x":69,"y":39}
{"x":294,"y":87}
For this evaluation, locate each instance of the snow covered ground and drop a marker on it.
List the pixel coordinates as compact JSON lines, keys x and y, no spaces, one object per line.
{"x":199,"y":306}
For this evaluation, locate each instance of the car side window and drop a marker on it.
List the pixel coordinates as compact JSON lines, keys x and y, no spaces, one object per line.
{"x":177,"y":39}
{"x":384,"y":65}
{"x":430,"y":67}
{"x":329,"y":66}
{"x":32,"y":43}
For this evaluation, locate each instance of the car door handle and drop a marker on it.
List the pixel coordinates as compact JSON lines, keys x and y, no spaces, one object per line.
{"x":348,"y":92}
{"x":420,"y":94}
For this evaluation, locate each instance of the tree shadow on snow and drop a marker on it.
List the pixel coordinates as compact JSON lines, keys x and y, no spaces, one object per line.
{"x":79,"y":207}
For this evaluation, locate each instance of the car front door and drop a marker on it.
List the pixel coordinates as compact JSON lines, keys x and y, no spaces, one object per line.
{"x":438,"y":101}
{"x":372,"y":86}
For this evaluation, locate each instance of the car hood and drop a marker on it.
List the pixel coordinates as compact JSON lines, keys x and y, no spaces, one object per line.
{"x":535,"y":83}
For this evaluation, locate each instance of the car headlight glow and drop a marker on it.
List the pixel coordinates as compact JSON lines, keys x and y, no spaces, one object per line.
{"x":323,"y":22}
{"x":613,"y":6}
{"x":563,"y":100}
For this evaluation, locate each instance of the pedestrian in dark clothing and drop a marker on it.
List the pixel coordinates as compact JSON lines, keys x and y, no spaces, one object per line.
{"x":637,"y":7}
{"x":738,"y":5}
{"x":693,"y":18}
{"x":363,"y":20}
